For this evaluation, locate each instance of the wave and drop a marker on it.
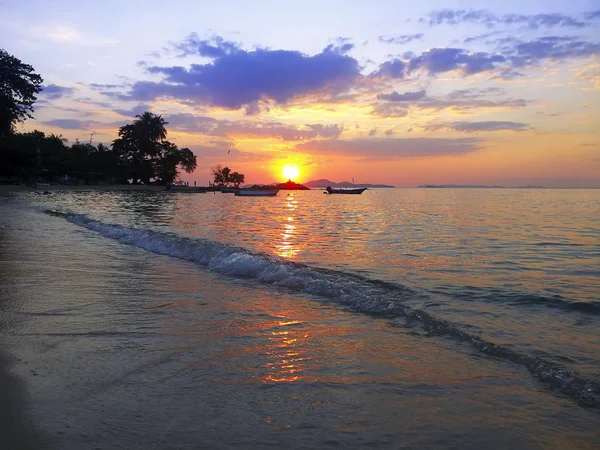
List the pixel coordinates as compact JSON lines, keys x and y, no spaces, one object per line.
{"x":495,"y":295}
{"x":375,"y":297}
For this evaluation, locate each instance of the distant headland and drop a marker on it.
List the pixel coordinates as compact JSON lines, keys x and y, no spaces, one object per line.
{"x":323,"y":183}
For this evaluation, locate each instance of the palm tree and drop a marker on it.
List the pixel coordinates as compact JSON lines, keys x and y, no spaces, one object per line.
{"x":151,"y":127}
{"x":59,"y":137}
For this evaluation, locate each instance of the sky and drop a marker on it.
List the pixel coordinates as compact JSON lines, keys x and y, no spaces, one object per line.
{"x":401,"y":93}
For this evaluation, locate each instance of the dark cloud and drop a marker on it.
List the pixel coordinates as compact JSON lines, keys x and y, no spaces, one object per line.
{"x":463,"y":100}
{"x":394,"y":68}
{"x":215,"y":47}
{"x":391,"y":149}
{"x":402,"y":39}
{"x":389,"y":132}
{"x":441,"y":60}
{"x":274,"y":130}
{"x":488,"y":19}
{"x":253,"y":109}
{"x":474,"y":127}
{"x":407,"y":96}
{"x":373,"y":132}
{"x":531,"y":53}
{"x":480,"y":37}
{"x":236,"y":77}
{"x":592,"y":15}
{"x":241,"y":79}
{"x":136,"y":110}
{"x":512,"y":54}
{"x":54,"y":91}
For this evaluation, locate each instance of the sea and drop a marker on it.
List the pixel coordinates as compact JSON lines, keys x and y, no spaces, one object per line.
{"x":395,"y":319}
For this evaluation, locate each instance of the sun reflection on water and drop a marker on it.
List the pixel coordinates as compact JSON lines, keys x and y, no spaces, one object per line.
{"x":285,"y":355}
{"x":286,"y":246}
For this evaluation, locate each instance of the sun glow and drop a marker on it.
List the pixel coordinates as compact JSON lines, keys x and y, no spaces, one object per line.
{"x":290,"y":171}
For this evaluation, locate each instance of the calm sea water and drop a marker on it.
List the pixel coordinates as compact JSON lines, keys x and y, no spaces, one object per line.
{"x":412,"y":318}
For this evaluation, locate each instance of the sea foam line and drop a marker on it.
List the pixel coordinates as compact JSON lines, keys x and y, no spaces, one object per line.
{"x":361,"y":294}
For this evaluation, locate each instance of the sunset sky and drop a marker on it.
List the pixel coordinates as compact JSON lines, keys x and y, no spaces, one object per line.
{"x":395,"y":92}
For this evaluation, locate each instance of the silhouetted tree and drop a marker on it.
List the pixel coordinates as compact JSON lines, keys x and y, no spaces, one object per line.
{"x":170,"y":158}
{"x":236,"y":179}
{"x":143,"y":150}
{"x":225,"y":177}
{"x":19,"y":85}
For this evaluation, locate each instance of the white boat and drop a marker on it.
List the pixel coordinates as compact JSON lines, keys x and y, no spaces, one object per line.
{"x":256,"y":193}
{"x":356,"y":191}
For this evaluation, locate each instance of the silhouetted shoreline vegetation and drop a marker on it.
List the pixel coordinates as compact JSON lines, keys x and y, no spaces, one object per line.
{"x":140,"y":155}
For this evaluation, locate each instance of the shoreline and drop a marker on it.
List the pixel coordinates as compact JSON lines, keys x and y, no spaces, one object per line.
{"x":6,"y":189}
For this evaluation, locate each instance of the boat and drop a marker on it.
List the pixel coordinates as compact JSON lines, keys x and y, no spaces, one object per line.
{"x":345,"y":191}
{"x":229,"y":190}
{"x":256,"y":192}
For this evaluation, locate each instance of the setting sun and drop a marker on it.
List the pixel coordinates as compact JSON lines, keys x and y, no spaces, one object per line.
{"x":290,"y":172}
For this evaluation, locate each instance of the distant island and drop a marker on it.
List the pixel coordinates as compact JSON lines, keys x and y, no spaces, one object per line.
{"x":323,"y":183}
{"x":482,"y":186}
{"x":289,"y":185}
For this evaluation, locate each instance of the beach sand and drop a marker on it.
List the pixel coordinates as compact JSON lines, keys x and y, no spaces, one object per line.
{"x":7,"y":189}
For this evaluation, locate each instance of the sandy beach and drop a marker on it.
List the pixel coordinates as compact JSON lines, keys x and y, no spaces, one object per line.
{"x":6,"y":189}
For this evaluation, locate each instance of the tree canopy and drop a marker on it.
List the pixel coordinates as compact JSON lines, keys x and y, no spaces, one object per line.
{"x":19,"y":85}
{"x":142,"y":147}
{"x":141,"y":153}
{"x":225,"y":177}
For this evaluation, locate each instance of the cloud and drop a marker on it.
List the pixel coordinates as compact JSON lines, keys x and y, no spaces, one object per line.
{"x":373,"y":132}
{"x":474,"y":127}
{"x":394,"y":68}
{"x":73,"y":124}
{"x":592,"y":15}
{"x":407,"y":96}
{"x":237,"y":77}
{"x":441,"y":60}
{"x":392,"y":149}
{"x":262,"y":130}
{"x":240,"y":79}
{"x":530,"y":53}
{"x":105,"y":86}
{"x":512,"y":54}
{"x":136,"y":110}
{"x":68,"y":34}
{"x":488,"y":19}
{"x":463,"y":101}
{"x":480,"y":37}
{"x":592,"y":75}
{"x":385,"y":110}
{"x":402,"y":39}
{"x":54,"y":91}
{"x":215,"y":47}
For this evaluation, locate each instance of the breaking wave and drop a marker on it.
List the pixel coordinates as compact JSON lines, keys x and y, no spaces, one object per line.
{"x":360,"y":294}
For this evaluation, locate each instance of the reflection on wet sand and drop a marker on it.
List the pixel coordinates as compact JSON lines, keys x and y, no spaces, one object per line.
{"x":285,"y":353}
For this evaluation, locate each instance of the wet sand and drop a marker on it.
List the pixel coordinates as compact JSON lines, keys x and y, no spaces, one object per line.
{"x":17,"y":428}
{"x":6,"y":189}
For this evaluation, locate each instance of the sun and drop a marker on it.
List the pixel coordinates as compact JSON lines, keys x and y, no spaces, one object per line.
{"x":290,"y":171}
